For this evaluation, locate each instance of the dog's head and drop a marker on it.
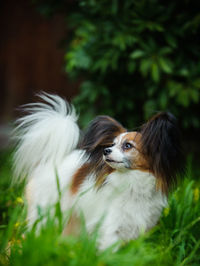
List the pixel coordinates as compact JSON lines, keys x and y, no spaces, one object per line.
{"x":155,"y":148}
{"x":125,"y":152}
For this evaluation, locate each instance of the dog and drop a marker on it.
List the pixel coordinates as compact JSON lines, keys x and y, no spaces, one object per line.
{"x":107,"y":174}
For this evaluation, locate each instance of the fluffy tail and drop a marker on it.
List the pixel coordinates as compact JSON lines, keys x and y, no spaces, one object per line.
{"x":47,"y":134}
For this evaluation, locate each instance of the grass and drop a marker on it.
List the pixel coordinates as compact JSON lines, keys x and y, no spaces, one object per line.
{"x":174,"y":241}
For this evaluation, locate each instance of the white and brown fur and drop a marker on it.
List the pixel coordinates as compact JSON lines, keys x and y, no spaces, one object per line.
{"x":110,"y":175}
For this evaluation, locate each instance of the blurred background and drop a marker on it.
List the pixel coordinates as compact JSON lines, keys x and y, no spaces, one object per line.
{"x":128,"y":59}
{"x":125,"y":58}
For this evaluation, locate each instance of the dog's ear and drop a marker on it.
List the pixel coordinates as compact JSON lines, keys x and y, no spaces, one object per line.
{"x":101,"y":132}
{"x":161,"y":146}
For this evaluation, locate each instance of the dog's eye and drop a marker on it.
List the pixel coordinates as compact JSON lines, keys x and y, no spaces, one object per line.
{"x":127,"y":146}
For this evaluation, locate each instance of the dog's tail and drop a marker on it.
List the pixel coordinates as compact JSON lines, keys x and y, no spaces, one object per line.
{"x":46,"y":134}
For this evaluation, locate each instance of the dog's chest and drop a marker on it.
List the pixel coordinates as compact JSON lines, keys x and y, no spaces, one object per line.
{"x":131,"y":214}
{"x":125,"y":207}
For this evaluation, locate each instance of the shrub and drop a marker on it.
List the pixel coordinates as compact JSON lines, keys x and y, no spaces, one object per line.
{"x":135,"y":57}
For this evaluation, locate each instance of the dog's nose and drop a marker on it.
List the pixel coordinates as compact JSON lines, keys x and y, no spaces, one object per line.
{"x":107,"y":151}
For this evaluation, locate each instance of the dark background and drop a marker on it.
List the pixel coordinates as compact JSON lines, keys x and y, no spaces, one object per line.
{"x":31,"y":59}
{"x":31,"y":56}
{"x":34,"y":45}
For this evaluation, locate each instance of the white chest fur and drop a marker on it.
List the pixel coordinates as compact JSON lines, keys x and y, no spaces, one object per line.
{"x":127,"y":204}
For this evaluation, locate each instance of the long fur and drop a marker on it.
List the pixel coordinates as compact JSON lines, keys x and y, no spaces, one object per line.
{"x":126,"y":198}
{"x":161,"y":145}
{"x":46,"y":134}
{"x":99,"y":135}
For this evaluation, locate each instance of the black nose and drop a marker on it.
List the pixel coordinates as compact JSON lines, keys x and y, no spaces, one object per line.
{"x":107,"y":151}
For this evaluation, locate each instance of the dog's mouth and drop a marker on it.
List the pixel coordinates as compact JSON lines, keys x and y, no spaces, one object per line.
{"x":112,"y":161}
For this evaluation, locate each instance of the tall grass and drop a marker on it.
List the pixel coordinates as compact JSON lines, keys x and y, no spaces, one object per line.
{"x":174,"y":241}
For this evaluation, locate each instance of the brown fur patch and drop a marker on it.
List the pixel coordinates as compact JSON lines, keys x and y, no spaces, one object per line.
{"x":79,"y":177}
{"x":139,"y":162}
{"x":161,"y":185}
{"x":132,"y":136}
{"x":101,"y":177}
{"x":100,"y":134}
{"x":73,"y":225}
{"x":142,"y":163}
{"x":85,"y":170}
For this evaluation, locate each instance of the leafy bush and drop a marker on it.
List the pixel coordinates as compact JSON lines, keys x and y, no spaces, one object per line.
{"x":136,"y":57}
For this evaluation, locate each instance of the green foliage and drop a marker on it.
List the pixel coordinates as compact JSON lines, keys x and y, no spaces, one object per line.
{"x":10,"y":197}
{"x":174,"y":241}
{"x":136,"y":57}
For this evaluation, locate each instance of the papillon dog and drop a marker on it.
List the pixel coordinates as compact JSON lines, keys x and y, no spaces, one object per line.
{"x":106,"y":174}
